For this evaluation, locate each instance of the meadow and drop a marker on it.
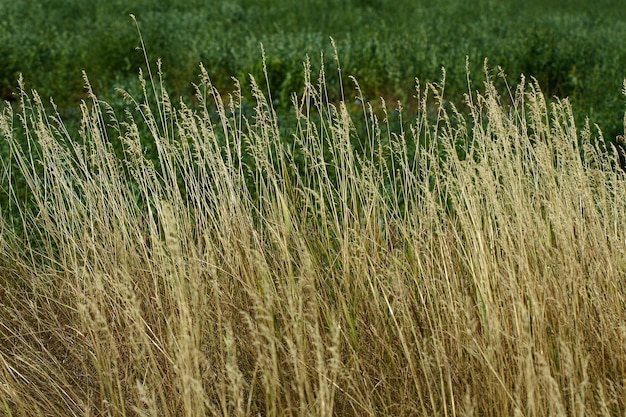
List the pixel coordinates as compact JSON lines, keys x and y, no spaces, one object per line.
{"x":573,"y":49}
{"x":463,"y":267}
{"x":456,"y":247}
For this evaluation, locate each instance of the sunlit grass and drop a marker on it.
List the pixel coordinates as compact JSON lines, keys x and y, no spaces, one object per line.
{"x":454,"y":266}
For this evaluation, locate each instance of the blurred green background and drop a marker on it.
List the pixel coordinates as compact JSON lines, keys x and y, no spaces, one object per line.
{"x":574,"y":48}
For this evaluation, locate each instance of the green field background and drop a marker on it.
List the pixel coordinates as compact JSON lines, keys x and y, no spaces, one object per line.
{"x":575,"y":49}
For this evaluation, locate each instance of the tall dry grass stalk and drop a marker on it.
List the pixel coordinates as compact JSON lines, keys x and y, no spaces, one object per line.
{"x":460,"y":266}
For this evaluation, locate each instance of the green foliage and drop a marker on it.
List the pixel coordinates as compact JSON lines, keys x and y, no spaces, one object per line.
{"x":572,"y":51}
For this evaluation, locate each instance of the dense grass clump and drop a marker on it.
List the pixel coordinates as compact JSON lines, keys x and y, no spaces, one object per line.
{"x":452,"y":266}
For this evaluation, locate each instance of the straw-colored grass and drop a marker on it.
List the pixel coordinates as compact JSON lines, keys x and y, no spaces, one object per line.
{"x":249,"y":274}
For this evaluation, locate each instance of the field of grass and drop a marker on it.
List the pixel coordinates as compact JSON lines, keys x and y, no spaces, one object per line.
{"x":441,"y":265}
{"x":290,"y":244}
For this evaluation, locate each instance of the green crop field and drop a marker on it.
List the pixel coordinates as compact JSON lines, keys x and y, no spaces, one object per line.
{"x":574,"y":49}
{"x":307,"y":208}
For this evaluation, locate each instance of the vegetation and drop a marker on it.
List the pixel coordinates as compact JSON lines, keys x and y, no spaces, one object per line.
{"x":289,"y":242}
{"x":450,"y":265}
{"x":573,"y":49}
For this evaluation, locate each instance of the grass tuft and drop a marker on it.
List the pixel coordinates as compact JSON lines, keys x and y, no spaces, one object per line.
{"x":468,"y":263}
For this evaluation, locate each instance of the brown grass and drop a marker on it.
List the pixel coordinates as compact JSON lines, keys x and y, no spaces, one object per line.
{"x":240,"y":276}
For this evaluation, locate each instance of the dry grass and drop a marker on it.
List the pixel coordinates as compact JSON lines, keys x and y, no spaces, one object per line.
{"x":229,"y":279}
